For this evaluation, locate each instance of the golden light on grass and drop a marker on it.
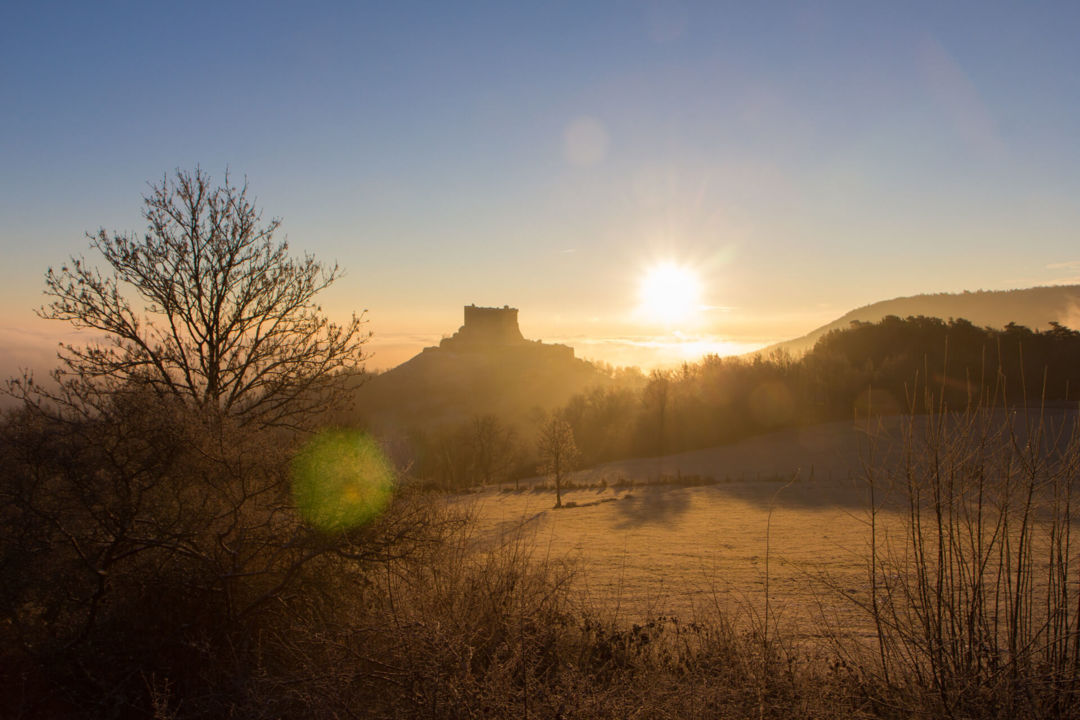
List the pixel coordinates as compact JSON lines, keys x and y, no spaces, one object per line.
{"x":670,"y":294}
{"x":341,"y":479}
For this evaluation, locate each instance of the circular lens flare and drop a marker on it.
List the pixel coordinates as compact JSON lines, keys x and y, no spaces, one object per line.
{"x":341,"y":479}
{"x":670,"y":293}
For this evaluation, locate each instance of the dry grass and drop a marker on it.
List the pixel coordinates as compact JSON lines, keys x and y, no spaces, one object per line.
{"x":943,"y":577}
{"x":645,"y":549}
{"x":681,"y":551}
{"x":772,"y":597}
{"x":975,"y":599}
{"x":499,"y":634}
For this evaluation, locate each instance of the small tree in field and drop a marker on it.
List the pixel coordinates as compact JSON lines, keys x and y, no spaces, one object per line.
{"x":206,"y":307}
{"x":558,"y":452}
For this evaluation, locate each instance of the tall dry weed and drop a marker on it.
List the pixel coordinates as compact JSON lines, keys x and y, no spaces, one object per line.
{"x":973,"y":585}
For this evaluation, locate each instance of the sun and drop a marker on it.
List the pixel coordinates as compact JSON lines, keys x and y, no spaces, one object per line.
{"x":670,"y":293}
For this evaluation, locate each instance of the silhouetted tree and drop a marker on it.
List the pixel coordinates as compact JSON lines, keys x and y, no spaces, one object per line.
{"x":558,"y":452}
{"x":147,"y":527}
{"x":206,"y":306}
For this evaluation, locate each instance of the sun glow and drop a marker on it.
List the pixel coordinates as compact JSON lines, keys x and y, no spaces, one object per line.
{"x":670,"y":294}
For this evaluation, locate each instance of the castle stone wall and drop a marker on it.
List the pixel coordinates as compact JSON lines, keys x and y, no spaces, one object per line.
{"x":491,"y":324}
{"x":488,"y":328}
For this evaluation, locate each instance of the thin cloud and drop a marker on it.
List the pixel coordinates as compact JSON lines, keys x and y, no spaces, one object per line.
{"x":1071,"y":280}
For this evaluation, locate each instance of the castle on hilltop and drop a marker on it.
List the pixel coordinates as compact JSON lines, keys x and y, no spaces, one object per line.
{"x":489,"y":326}
{"x":489,"y":329}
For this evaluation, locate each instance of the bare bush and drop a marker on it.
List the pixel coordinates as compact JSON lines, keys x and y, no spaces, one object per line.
{"x":474,"y":630}
{"x":974,"y":596}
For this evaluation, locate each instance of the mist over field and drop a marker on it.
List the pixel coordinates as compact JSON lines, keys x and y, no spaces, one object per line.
{"x":654,"y":359}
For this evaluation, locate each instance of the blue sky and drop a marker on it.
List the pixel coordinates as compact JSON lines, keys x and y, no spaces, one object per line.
{"x":802,"y":159}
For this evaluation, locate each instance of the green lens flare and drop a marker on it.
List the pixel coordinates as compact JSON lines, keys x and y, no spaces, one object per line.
{"x":341,"y":480}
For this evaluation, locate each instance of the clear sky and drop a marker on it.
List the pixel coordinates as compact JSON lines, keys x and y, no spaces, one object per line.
{"x":797,"y":160}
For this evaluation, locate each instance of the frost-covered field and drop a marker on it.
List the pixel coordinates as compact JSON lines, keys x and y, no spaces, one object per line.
{"x":681,"y":551}
{"x":666,"y":549}
{"x":701,"y":531}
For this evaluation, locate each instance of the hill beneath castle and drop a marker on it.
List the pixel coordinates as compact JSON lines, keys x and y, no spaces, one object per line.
{"x":487,"y":366}
{"x":1035,"y":308}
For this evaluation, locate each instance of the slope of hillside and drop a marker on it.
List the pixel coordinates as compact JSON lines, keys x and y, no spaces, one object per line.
{"x":1035,"y":308}
{"x":486,"y":367}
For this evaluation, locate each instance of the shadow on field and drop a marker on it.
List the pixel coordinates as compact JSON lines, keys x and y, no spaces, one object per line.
{"x":826,"y":466}
{"x":651,"y":505}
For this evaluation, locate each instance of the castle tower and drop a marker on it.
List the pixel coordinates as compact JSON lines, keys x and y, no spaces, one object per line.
{"x":486,"y":326}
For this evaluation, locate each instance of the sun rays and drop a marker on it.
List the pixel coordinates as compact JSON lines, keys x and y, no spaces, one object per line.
{"x":670,"y":294}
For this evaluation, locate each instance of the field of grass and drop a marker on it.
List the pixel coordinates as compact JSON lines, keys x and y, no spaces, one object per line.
{"x":709,"y":530}
{"x":794,"y":500}
{"x":671,"y":550}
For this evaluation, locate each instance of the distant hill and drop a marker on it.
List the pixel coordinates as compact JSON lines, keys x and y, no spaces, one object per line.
{"x":485,"y":367}
{"x":1035,"y":308}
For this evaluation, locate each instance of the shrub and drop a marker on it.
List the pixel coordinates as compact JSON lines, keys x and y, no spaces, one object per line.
{"x":973,"y":599}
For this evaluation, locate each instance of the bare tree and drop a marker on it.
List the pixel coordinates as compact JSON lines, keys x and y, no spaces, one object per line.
{"x":208,"y":307}
{"x":145,"y":499}
{"x":558,"y":452}
{"x":494,"y":448}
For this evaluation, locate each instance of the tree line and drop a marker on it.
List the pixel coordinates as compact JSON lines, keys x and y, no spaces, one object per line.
{"x":894,"y":365}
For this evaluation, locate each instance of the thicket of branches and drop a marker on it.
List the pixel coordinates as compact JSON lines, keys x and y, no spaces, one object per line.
{"x":148,"y":534}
